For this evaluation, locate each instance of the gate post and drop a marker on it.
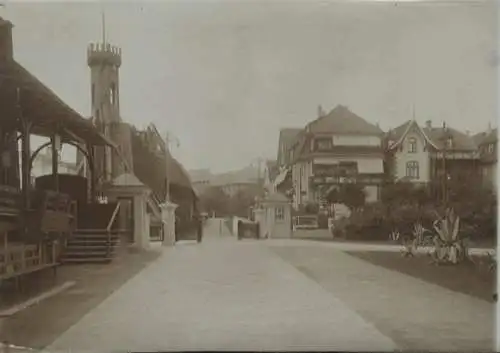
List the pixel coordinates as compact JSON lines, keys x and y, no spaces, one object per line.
{"x":168,"y":220}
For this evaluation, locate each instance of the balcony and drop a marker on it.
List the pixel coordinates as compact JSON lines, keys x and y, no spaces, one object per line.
{"x":365,"y":179}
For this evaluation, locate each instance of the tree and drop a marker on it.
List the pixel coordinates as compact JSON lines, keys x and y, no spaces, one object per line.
{"x":352,"y":195}
{"x":214,"y":200}
{"x":242,"y":200}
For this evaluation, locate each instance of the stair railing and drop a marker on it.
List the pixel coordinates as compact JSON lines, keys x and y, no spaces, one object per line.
{"x":108,"y":228}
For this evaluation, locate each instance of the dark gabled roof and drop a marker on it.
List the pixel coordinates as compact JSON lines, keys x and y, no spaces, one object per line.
{"x":461,"y":141}
{"x":287,"y":138}
{"x":486,"y":137}
{"x":341,"y":120}
{"x":288,"y":135}
{"x":151,"y":161}
{"x":436,"y":136}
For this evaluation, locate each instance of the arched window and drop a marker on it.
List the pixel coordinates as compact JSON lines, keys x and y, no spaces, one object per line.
{"x":412,"y":145}
{"x":412,"y":170}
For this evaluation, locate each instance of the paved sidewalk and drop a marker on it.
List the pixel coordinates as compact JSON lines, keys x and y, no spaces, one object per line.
{"x":221,"y":294}
{"x":41,"y":324}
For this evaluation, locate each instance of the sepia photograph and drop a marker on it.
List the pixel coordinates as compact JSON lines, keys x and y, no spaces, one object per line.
{"x":248,"y":175}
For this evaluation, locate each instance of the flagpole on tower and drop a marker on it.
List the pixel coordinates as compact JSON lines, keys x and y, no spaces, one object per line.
{"x":103,"y":23}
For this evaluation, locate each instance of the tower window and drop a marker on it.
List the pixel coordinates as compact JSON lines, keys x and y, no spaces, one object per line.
{"x":93,"y":94}
{"x":112,"y":93}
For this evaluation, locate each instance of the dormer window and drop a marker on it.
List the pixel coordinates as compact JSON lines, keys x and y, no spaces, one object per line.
{"x":324,"y":144}
{"x":412,"y":145}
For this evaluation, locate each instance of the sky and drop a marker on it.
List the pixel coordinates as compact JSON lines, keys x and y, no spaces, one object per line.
{"x":225,"y":76}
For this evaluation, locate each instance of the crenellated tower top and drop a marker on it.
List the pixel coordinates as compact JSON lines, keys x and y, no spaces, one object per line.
{"x":104,"y":54}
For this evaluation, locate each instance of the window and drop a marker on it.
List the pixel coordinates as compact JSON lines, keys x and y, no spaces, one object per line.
{"x":324,"y":144}
{"x":279,"y":213}
{"x":491,"y":148}
{"x":93,"y":94}
{"x":112,"y":94}
{"x":412,"y":145}
{"x":412,"y":170}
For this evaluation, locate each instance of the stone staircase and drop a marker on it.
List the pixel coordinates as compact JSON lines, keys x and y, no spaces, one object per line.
{"x":91,"y":246}
{"x":96,"y":239}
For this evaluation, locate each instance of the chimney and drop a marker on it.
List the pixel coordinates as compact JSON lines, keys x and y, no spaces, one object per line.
{"x":489,"y":128}
{"x":320,"y":111}
{"x":428,"y":124}
{"x":6,"y":46}
{"x":444,"y":126}
{"x":467,"y":132}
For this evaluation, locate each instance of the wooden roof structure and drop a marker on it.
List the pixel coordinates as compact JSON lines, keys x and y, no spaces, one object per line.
{"x":23,"y":95}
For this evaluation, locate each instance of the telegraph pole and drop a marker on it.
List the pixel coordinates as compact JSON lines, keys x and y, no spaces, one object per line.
{"x":168,"y":139}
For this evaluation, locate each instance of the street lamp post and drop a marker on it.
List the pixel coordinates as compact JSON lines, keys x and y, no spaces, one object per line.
{"x":168,"y":208}
{"x":168,"y":139}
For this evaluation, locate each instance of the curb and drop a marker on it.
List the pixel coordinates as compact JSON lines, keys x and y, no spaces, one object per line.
{"x":33,"y":301}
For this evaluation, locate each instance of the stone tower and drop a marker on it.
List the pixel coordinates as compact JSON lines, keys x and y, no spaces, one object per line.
{"x":104,"y":61}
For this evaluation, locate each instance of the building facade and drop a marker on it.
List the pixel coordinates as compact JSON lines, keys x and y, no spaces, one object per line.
{"x":336,"y":148}
{"x":441,"y":155}
{"x":487,"y":145}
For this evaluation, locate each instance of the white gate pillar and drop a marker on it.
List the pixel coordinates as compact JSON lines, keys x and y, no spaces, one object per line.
{"x":168,"y":220}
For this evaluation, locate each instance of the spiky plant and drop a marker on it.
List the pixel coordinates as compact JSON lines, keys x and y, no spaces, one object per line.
{"x":449,"y":246}
{"x":411,"y":244}
{"x":492,"y":261}
{"x":394,"y":235}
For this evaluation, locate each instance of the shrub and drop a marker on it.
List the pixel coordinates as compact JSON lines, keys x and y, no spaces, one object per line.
{"x":368,"y":223}
{"x":449,"y":246}
{"x":416,"y":240}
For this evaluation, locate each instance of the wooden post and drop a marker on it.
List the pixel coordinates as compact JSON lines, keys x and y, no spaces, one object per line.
{"x":26,"y":170}
{"x":55,"y":160}
{"x":92,"y":172}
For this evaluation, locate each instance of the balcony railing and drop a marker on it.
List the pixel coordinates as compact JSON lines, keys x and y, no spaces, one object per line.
{"x":368,"y":179}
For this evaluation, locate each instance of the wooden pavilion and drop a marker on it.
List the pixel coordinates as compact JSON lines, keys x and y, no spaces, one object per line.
{"x":37,"y":218}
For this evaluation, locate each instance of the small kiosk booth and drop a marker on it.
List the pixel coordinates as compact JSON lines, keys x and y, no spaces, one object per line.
{"x":275,"y":216}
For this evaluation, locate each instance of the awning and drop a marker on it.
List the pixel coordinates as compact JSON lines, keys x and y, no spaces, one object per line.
{"x":22,"y":93}
{"x":281,"y":177}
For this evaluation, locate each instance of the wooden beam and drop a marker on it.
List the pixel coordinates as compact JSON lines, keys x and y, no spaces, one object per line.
{"x":55,"y":160}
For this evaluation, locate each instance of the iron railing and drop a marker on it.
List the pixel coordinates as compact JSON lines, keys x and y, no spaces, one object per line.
{"x":108,"y":229}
